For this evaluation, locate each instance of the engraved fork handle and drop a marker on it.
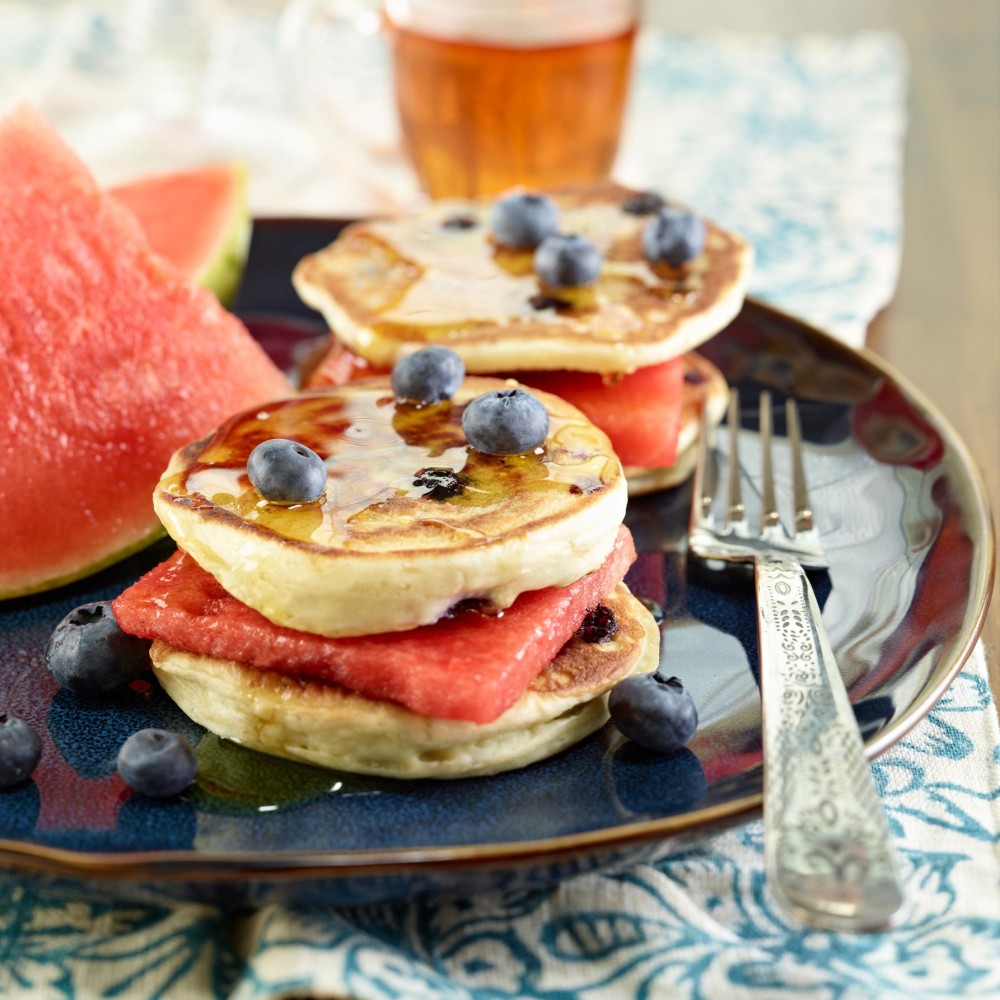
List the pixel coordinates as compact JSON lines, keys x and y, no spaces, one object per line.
{"x":827,"y":843}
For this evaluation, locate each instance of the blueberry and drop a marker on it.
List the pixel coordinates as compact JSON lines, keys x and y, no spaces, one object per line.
{"x":505,"y":422}
{"x":90,"y":654}
{"x":459,"y":222}
{"x":284,"y":471}
{"x":599,"y":625}
{"x":524,"y":220}
{"x":429,"y":375}
{"x":20,"y":750}
{"x":440,"y":484}
{"x":643,"y":203}
{"x":673,"y":237}
{"x":653,"y":711}
{"x":541,"y":302}
{"x":567,"y":261}
{"x":157,"y":762}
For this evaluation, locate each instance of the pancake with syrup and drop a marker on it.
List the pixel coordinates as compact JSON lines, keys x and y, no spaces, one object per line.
{"x":413,"y":522}
{"x":388,"y":286}
{"x":321,"y":723}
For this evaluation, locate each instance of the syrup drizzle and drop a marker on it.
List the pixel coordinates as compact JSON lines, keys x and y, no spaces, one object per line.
{"x":376,"y":451}
{"x":467,"y":279}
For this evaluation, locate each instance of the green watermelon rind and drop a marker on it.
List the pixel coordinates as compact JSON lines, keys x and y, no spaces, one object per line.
{"x":108,"y":559}
{"x":223,"y":273}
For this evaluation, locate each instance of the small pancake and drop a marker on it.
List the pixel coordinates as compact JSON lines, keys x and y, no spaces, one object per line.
{"x":388,"y":547}
{"x":704,"y":388}
{"x":388,"y":286}
{"x":324,"y":724}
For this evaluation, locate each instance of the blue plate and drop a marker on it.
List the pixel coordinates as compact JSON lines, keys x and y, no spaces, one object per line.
{"x":904,"y":519}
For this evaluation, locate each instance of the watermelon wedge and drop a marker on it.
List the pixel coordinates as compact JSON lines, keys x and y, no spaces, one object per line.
{"x":470,"y":666}
{"x":198,"y":219}
{"x":110,"y":361}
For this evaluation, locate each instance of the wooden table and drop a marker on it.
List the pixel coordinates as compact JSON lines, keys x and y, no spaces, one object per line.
{"x":942,"y":329}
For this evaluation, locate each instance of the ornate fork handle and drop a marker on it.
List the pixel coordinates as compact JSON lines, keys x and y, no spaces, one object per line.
{"x":827,"y":842}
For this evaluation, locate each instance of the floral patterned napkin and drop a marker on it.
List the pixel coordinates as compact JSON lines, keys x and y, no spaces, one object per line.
{"x":797,"y":143}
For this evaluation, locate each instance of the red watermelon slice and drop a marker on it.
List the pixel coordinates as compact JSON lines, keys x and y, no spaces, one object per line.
{"x":640,"y":412}
{"x":470,"y":666}
{"x":198,"y":219}
{"x":110,"y":361}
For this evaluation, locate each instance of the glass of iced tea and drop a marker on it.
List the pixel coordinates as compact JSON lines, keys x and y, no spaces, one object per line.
{"x":494,"y":93}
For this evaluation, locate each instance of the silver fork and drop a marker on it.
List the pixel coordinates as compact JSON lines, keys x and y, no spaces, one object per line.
{"x":828,"y":847}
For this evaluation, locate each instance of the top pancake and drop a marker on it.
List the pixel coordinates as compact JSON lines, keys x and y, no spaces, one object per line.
{"x":384,"y":550}
{"x":388,"y":286}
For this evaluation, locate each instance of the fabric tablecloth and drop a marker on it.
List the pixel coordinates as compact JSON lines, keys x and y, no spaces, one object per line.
{"x":797,"y":143}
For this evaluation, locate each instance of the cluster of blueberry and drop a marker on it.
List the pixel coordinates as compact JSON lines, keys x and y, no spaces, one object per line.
{"x":502,"y":422}
{"x":526,"y":221}
{"x":90,"y":654}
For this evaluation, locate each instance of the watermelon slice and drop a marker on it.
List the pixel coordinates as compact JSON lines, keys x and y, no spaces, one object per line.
{"x":110,"y":361}
{"x":340,"y":365}
{"x":640,"y":413}
{"x":470,"y":666}
{"x":198,"y":219}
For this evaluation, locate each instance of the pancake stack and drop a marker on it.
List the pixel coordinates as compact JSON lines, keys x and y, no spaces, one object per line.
{"x":423,"y":617}
{"x":438,"y":275}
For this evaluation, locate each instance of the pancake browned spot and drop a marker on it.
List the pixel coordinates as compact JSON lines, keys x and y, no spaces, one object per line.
{"x":583,"y":669}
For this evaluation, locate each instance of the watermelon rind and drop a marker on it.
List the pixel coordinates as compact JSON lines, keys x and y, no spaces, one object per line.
{"x":81,"y":572}
{"x":223,"y":272}
{"x":220,"y":266}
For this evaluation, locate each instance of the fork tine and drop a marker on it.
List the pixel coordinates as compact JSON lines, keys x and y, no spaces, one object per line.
{"x":803,"y":510}
{"x":735,"y":509}
{"x":702,"y":490}
{"x":770,"y":520}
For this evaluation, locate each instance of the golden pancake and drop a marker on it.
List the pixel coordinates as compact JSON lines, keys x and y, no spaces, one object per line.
{"x":388,"y":547}
{"x":389,"y":286}
{"x":321,"y":723}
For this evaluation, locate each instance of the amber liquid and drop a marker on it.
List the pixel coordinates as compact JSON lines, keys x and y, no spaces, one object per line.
{"x":479,"y":119}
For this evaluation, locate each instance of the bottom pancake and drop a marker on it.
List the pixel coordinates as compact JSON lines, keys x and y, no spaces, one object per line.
{"x":324,"y":724}
{"x":704,"y":388}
